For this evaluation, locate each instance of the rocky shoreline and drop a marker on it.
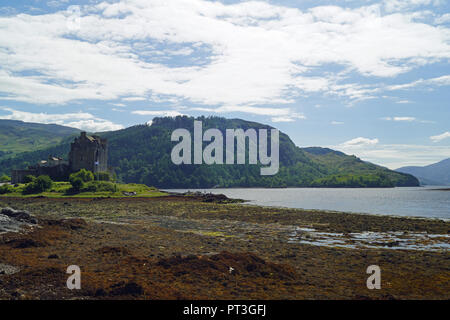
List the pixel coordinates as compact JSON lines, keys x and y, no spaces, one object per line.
{"x":182,"y":247}
{"x":207,"y":197}
{"x":14,"y":220}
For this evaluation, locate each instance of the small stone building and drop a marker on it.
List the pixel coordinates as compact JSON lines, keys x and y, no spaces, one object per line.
{"x":86,"y":152}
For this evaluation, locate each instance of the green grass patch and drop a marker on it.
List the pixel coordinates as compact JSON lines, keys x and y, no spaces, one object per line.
{"x":60,"y":190}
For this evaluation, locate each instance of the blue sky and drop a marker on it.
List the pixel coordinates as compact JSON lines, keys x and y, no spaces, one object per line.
{"x":369,"y":78}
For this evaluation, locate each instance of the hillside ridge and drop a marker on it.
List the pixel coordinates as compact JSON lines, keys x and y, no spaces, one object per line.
{"x":141,"y":154}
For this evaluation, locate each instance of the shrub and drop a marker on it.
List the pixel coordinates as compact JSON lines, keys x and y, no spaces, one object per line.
{"x":77,"y":184}
{"x":6,"y":188}
{"x":99,"y":186}
{"x":103,"y":176}
{"x":44,"y":182}
{"x":40,"y":184}
{"x":29,"y":178}
{"x":78,"y":179}
{"x":29,"y":188}
{"x":83,"y":174}
{"x":90,"y":187}
{"x":5,"y":178}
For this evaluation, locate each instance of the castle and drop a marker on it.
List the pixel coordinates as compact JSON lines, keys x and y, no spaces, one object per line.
{"x":86,"y":152}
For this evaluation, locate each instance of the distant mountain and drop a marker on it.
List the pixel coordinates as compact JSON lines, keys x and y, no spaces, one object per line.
{"x":141,"y":154}
{"x":18,"y":136}
{"x":433,"y":174}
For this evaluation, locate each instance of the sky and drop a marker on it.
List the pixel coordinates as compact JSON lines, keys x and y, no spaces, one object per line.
{"x":369,"y":78}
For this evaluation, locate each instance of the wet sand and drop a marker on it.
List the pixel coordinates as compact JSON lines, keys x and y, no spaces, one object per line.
{"x":183,"y":248}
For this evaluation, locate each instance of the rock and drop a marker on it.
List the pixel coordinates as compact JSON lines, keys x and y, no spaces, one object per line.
{"x":25,"y":243}
{"x":251,"y":267}
{"x":19,"y":215}
{"x":131,"y":288}
{"x":7,"y":211}
{"x":73,"y":224}
{"x":211,"y":197}
{"x":100,"y":293}
{"x":8,"y":224}
{"x":8,"y":269}
{"x":121,"y":251}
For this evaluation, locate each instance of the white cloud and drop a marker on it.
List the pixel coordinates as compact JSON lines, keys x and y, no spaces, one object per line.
{"x":438,"y":81}
{"x":134,"y":99}
{"x":406,"y":119}
{"x":337,"y":122}
{"x":443,"y":19}
{"x":179,"y":52}
{"x":157,"y":113}
{"x":401,"y":5}
{"x":94,"y":125}
{"x":288,"y":118}
{"x":80,"y":120}
{"x":398,"y":155}
{"x":277,"y":114}
{"x":358,"y":143}
{"x":56,"y":3}
{"x":394,"y":155}
{"x":109,"y":56}
{"x":440,"y":137}
{"x":403,"y":119}
{"x":248,"y":109}
{"x":403,"y":102}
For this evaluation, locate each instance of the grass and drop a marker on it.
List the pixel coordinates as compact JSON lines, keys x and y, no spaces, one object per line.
{"x":213,"y":234}
{"x":59,"y":190}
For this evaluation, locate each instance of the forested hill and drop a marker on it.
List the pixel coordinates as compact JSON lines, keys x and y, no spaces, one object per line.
{"x":141,"y":154}
{"x":18,"y":136}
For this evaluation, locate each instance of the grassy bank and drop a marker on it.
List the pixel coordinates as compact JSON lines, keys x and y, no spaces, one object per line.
{"x":63,"y":190}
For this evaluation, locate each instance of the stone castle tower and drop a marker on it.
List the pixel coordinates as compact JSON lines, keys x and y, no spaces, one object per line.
{"x":90,"y":153}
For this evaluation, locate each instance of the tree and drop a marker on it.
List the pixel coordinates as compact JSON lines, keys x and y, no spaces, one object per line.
{"x":44,"y":182}
{"x":103,"y":176}
{"x":40,"y":184}
{"x":6,"y":189}
{"x":29,"y":178}
{"x":5,"y":178}
{"x":78,"y":179}
{"x":77,"y":184}
{"x":83,"y":174}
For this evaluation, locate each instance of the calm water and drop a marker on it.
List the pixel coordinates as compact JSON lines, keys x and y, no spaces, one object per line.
{"x":418,"y":202}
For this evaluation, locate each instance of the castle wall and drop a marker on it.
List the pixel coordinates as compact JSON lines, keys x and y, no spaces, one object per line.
{"x":17,"y":176}
{"x":59,"y":172}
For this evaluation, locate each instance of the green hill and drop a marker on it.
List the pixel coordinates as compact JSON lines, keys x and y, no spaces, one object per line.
{"x":18,"y":136}
{"x":141,"y":154}
{"x":344,"y":170}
